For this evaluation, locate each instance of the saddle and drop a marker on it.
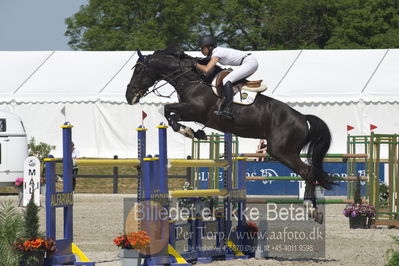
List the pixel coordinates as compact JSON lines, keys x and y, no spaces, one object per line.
{"x":244,"y":90}
{"x":244,"y":84}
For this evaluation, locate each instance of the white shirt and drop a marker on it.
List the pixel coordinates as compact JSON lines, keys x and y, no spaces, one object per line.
{"x":228,"y":56}
{"x":75,"y":153}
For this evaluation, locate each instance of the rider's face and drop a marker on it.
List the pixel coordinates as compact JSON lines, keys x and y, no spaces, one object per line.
{"x":205,"y":50}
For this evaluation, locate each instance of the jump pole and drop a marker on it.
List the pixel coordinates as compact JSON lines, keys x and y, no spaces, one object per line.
{"x":141,"y":152}
{"x":65,"y":247}
{"x":156,"y":169}
{"x":155,"y":188}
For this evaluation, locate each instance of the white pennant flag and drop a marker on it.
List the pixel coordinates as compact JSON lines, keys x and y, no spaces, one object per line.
{"x":63,"y":112}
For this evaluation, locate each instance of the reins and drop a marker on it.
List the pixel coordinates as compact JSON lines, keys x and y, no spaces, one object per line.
{"x":168,"y":78}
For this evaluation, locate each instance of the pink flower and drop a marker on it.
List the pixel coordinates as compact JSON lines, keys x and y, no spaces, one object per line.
{"x":19,"y":181}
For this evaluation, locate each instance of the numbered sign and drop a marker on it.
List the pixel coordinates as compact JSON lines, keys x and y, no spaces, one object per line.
{"x":31,"y":180}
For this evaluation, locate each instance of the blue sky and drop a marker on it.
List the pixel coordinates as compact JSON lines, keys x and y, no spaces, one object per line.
{"x":32,"y":25}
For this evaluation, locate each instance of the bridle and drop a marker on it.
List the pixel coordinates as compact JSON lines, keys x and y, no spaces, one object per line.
{"x":171,"y":78}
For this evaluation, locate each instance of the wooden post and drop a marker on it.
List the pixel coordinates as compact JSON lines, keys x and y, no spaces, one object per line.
{"x":189,"y":173}
{"x":116,"y":176}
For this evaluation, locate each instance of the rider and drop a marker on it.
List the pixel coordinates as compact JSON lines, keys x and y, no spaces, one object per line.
{"x":246,"y":64}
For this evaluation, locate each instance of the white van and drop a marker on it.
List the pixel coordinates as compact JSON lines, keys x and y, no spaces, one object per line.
{"x":13,"y":148}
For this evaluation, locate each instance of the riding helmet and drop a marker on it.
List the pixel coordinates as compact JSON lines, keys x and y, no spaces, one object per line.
{"x":207,"y":40}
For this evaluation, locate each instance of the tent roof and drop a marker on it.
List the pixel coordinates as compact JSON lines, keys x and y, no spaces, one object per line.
{"x":293,"y":76}
{"x":329,"y":75}
{"x":16,"y":68}
{"x":384,"y":85}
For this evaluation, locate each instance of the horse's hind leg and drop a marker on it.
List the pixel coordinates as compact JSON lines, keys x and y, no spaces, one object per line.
{"x":294,"y":162}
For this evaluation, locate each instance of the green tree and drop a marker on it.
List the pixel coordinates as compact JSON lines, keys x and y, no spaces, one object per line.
{"x":242,"y":24}
{"x":31,"y":217}
{"x":128,"y":25}
{"x":248,"y":25}
{"x":41,"y":150}
{"x":366,"y":24}
{"x":300,"y":24}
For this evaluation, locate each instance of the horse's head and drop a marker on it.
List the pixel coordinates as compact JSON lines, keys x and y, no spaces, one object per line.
{"x":144,"y":76}
{"x":151,"y":68}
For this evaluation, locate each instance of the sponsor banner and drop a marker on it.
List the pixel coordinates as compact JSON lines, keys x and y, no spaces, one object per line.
{"x":287,"y":187}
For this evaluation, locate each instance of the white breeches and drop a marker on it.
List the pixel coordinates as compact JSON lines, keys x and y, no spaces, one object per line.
{"x":248,"y":67}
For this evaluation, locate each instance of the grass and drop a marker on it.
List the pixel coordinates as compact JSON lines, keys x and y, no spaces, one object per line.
{"x":105,"y":185}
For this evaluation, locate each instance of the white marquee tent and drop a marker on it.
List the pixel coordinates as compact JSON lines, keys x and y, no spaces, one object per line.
{"x":47,"y":88}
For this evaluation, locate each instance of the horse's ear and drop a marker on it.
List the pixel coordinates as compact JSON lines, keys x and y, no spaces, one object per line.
{"x":141,"y":56}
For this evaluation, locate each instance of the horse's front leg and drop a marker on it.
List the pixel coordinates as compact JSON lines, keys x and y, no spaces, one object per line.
{"x":176,"y":112}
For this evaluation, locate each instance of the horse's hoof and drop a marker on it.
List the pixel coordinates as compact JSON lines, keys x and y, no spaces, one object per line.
{"x":315,"y":215}
{"x":187,"y":132}
{"x":200,"y":134}
{"x":189,"y":135}
{"x":319,"y":217}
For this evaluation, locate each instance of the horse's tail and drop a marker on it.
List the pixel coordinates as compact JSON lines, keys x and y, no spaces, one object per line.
{"x":318,"y":140}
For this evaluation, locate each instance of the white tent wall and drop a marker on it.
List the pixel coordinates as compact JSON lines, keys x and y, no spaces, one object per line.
{"x":100,"y":129}
{"x":343,"y":87}
{"x":108,"y":129}
{"x":39,"y":120}
{"x":336,"y":116}
{"x":383,"y":115}
{"x":43,"y":120}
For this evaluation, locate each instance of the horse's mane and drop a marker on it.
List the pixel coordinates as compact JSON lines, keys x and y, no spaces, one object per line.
{"x":178,"y":53}
{"x":173,"y":50}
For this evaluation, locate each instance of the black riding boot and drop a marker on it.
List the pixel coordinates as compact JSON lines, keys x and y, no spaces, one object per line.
{"x":226,"y":108}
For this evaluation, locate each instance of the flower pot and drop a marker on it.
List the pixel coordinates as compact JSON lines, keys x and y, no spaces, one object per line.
{"x":130,"y":257}
{"x":32,"y":258}
{"x":358,"y":222}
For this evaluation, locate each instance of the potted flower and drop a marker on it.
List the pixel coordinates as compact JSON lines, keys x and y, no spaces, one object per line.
{"x":360,"y":215}
{"x":33,"y":250}
{"x":131,"y":243}
{"x":32,"y":246}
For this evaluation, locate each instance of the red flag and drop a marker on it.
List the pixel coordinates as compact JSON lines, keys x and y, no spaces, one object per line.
{"x":372,"y":127}
{"x":143,"y":115}
{"x":349,"y":128}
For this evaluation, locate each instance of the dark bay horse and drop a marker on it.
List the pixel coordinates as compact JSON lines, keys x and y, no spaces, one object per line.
{"x":286,"y":130}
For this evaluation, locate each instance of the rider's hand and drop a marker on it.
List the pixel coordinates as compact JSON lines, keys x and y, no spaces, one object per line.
{"x":193,"y":63}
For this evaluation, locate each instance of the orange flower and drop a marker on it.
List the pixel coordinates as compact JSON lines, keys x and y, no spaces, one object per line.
{"x":134,"y":240}
{"x":36,"y":243}
{"x":27,"y":245}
